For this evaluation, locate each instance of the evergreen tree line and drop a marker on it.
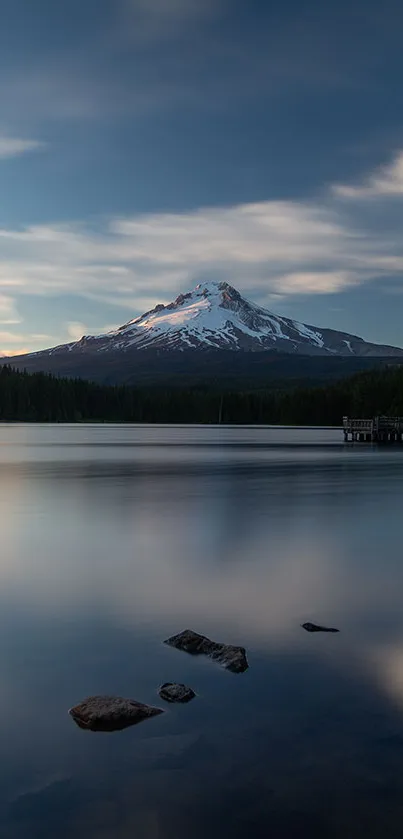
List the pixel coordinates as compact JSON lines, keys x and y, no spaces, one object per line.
{"x":40,"y":397}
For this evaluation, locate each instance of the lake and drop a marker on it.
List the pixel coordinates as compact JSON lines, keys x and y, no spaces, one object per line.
{"x":113,"y":538}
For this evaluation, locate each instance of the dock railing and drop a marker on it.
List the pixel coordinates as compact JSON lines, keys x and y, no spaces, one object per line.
{"x":379,"y":429}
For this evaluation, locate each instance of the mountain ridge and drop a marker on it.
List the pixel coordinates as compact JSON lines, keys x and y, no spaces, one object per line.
{"x":208,"y":336}
{"x":214,"y":315}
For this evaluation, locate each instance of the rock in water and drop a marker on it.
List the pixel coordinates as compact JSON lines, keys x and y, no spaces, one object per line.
{"x":111,"y":713}
{"x":312,"y":627}
{"x":232,"y":658}
{"x":173,"y":692}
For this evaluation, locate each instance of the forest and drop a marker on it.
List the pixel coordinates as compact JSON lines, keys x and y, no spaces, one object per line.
{"x":41,"y":397}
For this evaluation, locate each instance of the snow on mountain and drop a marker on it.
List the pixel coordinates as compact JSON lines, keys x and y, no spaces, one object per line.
{"x":214,"y":315}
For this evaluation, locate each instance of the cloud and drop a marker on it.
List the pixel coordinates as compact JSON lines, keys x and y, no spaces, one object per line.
{"x":164,"y":24}
{"x":161,"y":14}
{"x":271,"y":247}
{"x":76,"y":330}
{"x":14,"y":343}
{"x":386,"y":182}
{"x":245,"y":234}
{"x":13,"y":337}
{"x":8,"y":312}
{"x":16,"y":146}
{"x":5,"y":352}
{"x":325,"y":282}
{"x":9,"y":338}
{"x":150,"y":55}
{"x":128,"y":62}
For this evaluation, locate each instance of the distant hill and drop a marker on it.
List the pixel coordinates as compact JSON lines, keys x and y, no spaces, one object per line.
{"x":222,"y":369}
{"x":211,"y":368}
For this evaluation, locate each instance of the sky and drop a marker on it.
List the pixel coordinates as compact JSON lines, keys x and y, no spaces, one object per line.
{"x":149,"y":145}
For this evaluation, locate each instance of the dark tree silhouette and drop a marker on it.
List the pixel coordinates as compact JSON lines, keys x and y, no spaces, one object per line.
{"x":40,"y":397}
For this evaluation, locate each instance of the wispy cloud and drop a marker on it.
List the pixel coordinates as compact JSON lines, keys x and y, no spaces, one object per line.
{"x":85,"y":79}
{"x":76,"y":330}
{"x":145,"y":56}
{"x":13,"y":337}
{"x":319,"y":282}
{"x":162,"y":18}
{"x":18,"y":343}
{"x":16,"y":146}
{"x":8,"y":312}
{"x":271,"y":247}
{"x":387,"y":181}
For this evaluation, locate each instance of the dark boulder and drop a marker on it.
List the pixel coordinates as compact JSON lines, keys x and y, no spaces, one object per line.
{"x":173,"y":692}
{"x":231,"y":657}
{"x":111,"y":713}
{"x":313,"y":627}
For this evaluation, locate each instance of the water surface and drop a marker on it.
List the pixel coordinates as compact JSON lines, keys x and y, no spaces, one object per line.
{"x":114,"y":538}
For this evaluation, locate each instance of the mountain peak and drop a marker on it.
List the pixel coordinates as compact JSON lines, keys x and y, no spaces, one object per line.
{"x":216,"y":287}
{"x":214,"y":315}
{"x":212,"y":289}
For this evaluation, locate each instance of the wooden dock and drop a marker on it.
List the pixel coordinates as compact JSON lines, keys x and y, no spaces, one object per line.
{"x":375,"y":430}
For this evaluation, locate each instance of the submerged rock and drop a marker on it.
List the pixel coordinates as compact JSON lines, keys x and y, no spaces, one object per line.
{"x":111,"y":713}
{"x":173,"y":692}
{"x":232,"y":658}
{"x":312,"y":627}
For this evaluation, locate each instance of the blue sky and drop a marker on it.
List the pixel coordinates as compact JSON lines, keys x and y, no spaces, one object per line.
{"x":146,"y":145}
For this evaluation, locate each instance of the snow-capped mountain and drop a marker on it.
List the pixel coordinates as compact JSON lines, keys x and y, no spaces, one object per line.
{"x":215,"y":316}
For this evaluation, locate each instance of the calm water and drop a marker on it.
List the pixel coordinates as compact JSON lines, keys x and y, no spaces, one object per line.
{"x":114,"y":538}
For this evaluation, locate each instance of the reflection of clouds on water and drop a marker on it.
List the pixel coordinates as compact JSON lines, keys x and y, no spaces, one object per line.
{"x":217,"y":558}
{"x":384,"y":663}
{"x":103,"y":558}
{"x":254,"y":554}
{"x":317,"y":751}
